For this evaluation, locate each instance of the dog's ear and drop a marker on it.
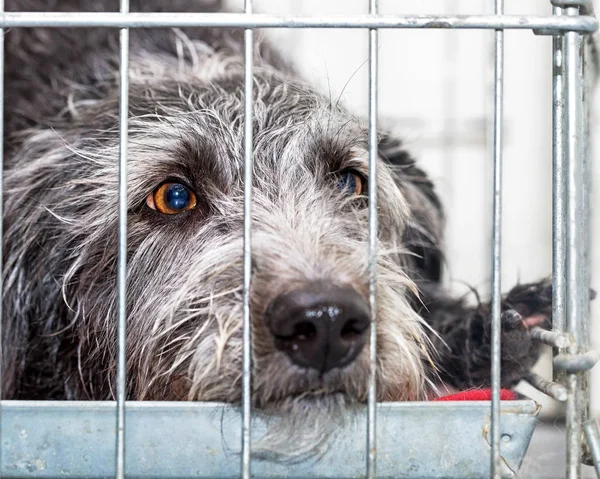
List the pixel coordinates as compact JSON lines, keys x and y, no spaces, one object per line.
{"x":393,"y":152}
{"x":423,"y":234}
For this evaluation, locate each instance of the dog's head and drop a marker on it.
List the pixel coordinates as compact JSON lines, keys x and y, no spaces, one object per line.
{"x":309,"y":292}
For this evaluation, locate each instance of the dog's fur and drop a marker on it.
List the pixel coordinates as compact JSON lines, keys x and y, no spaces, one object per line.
{"x":184,"y":297}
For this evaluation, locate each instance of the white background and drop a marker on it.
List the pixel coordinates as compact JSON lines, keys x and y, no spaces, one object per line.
{"x":435,"y":89}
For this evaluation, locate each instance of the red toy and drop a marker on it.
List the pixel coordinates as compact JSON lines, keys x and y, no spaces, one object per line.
{"x":478,"y":395}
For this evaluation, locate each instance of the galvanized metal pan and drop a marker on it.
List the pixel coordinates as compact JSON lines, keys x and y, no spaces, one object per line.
{"x":47,"y":439}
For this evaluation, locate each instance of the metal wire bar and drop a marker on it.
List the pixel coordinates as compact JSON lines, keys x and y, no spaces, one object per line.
{"x":593,"y":439}
{"x":588,"y":357}
{"x":1,"y":209}
{"x":246,"y":333}
{"x":551,"y":338}
{"x":549,"y":25}
{"x":576,"y":363}
{"x":373,"y":155}
{"x":122,"y":273}
{"x":497,"y":246}
{"x":577,"y":287}
{"x":552,"y":389}
{"x":583,"y":5}
{"x":559,"y":191}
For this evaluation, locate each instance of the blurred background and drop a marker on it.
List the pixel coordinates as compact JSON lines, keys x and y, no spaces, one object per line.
{"x":436,"y":93}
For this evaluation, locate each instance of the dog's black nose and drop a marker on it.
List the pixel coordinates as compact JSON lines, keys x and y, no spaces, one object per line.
{"x":321,"y":326}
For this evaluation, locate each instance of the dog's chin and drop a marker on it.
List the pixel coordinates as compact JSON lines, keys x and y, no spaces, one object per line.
{"x":309,"y":402}
{"x":303,"y":426}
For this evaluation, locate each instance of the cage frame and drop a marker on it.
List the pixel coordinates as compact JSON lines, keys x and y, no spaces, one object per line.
{"x":571,"y":25}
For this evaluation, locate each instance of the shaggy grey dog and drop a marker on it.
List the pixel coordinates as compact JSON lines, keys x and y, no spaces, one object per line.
{"x":310,"y":315}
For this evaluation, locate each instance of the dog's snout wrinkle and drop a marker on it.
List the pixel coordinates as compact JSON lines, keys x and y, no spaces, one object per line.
{"x":321,"y":326}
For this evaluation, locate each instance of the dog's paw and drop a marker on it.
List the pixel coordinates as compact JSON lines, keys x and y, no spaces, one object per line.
{"x":518,"y":350}
{"x":524,"y":307}
{"x":468,"y":333}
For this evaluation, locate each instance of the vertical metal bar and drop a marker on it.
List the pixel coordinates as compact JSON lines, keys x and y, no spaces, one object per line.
{"x":1,"y":210}
{"x":593,"y":439}
{"x":559,"y":190}
{"x":373,"y":155}
{"x":122,"y":273}
{"x":584,"y":286}
{"x":577,"y":287}
{"x":246,"y":333}
{"x":497,"y":245}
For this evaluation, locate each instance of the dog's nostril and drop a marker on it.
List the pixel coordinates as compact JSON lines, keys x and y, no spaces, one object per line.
{"x":321,"y":326}
{"x":301,"y":331}
{"x":304,"y":331}
{"x":353,"y":329}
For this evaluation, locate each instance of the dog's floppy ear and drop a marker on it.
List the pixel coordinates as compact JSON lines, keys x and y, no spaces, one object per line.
{"x":423,"y":234}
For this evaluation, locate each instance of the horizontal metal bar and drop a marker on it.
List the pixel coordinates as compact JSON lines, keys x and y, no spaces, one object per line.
{"x":554,"y":390}
{"x":47,"y":439}
{"x":575,"y":363}
{"x":557,"y":24}
{"x":572,"y":3}
{"x":551,"y":338}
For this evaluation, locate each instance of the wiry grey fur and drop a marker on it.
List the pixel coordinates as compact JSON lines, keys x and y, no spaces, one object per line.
{"x":184,"y":271}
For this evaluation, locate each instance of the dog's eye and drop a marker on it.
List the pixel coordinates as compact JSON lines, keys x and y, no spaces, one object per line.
{"x":171,"y":198}
{"x":351,"y":183}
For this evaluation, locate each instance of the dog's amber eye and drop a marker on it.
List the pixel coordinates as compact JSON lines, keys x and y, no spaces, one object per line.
{"x":351,"y":183}
{"x":171,"y":198}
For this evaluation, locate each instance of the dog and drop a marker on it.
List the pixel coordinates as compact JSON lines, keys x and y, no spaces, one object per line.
{"x":309,"y":294}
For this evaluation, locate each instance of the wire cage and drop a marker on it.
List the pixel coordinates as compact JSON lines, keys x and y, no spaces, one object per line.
{"x":479,"y":439}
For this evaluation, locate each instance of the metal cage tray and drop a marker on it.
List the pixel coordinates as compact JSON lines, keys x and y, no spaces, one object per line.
{"x":51,"y":439}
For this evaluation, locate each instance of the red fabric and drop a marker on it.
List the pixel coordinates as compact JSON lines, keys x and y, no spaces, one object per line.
{"x":478,"y":395}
